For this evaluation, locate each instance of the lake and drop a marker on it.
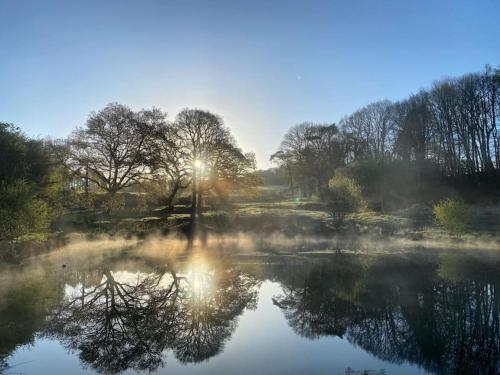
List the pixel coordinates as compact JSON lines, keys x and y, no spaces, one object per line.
{"x":126,"y":311}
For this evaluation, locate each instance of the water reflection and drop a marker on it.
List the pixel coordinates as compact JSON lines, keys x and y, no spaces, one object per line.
{"x":129,"y":320}
{"x":439,"y":311}
{"x":401,"y":309}
{"x":25,"y":300}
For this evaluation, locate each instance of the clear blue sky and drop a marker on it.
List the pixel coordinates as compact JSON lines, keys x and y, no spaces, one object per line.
{"x":263,"y":65}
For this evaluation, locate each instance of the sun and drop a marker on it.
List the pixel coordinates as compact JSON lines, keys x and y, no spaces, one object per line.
{"x":200,"y":278}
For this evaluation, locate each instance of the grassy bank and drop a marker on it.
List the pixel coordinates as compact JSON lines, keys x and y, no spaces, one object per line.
{"x":308,"y":222}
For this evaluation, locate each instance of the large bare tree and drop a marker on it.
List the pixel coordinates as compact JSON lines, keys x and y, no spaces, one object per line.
{"x":210,"y":153}
{"x":110,"y":149}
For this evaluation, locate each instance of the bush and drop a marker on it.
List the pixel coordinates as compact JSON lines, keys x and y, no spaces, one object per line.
{"x":344,"y":197}
{"x":21,"y":212}
{"x":453,"y":215}
{"x":113,"y":202}
{"x":54,"y":192}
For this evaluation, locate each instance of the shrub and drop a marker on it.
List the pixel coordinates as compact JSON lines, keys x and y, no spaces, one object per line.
{"x":141,"y":202}
{"x":81,"y":199}
{"x":21,"y":212}
{"x":113,"y":202}
{"x":453,"y":215}
{"x":344,"y":197}
{"x":54,"y":192}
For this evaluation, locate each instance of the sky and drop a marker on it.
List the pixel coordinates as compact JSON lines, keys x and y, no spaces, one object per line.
{"x":264,"y":66}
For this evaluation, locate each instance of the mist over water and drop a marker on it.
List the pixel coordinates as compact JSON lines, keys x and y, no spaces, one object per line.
{"x":246,"y":243}
{"x":250,"y":187}
{"x":122,"y":306}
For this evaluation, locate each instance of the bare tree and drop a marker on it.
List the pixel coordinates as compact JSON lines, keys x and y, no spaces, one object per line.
{"x":373,"y":127}
{"x":453,"y":128}
{"x":210,"y":154}
{"x":110,"y":150}
{"x":310,"y":153}
{"x":168,"y":161}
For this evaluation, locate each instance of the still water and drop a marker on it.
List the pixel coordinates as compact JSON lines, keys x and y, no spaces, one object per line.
{"x":122,"y":312}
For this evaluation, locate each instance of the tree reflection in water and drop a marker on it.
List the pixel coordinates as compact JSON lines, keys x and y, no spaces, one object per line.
{"x":129,"y":322}
{"x":402,"y":310}
{"x":441,"y":312}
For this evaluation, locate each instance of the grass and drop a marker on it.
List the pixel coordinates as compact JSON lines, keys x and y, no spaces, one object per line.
{"x":291,"y":218}
{"x":288,"y":228}
{"x":384,"y":223}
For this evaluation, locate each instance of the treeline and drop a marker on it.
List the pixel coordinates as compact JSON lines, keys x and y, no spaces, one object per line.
{"x":119,"y":149}
{"x":31,"y":184}
{"x":391,"y":307}
{"x":452,"y":128}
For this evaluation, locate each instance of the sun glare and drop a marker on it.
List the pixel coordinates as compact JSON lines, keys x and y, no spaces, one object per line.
{"x":201,"y":280}
{"x":198,"y":163}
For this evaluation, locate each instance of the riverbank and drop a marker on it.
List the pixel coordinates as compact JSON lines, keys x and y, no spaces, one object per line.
{"x":291,"y":218}
{"x":285,"y":227}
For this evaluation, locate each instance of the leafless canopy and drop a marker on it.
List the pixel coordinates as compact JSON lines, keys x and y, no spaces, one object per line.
{"x":111,"y":149}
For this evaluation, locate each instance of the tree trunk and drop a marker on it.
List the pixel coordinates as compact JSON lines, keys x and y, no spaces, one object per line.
{"x":194,"y":195}
{"x":199,"y":204}
{"x":173,"y":193}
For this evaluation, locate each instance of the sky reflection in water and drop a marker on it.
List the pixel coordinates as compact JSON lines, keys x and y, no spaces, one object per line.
{"x":393,"y":314}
